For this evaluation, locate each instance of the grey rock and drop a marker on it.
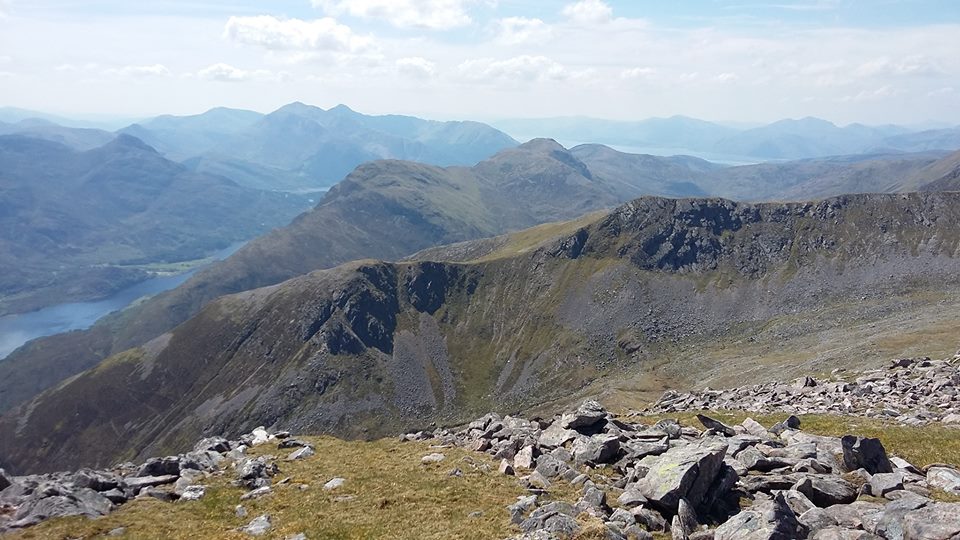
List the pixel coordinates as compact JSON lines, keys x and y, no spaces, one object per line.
{"x":686,"y":518}
{"x":256,"y":493}
{"x":631,"y":498}
{"x":682,"y":472}
{"x":767,"y":520}
{"x":259,"y":526}
{"x":825,"y":491}
{"x":939,"y":521}
{"x":716,"y":425}
{"x":556,"y":435}
{"x":334,"y":483}
{"x":816,"y":519}
{"x":883,"y":483}
{"x":549,"y":466}
{"x":213,"y":444}
{"x":525,"y":458}
{"x":587,"y":415}
{"x":506,"y":467}
{"x":600,"y":448}
{"x":193,"y":493}
{"x":167,"y":466}
{"x":865,"y":453}
{"x":141,"y":482}
{"x":944,"y":478}
{"x":432,"y":458}
{"x":292,"y":443}
{"x":838,"y":533}
{"x":301,"y":453}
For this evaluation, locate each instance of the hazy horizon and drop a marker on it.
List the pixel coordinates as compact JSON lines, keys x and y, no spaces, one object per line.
{"x":843,"y":61}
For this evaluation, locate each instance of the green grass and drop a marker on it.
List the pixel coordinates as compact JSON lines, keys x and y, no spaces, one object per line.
{"x":393,"y":496}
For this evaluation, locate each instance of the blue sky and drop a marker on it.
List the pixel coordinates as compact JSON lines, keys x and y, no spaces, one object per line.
{"x":875,"y":61}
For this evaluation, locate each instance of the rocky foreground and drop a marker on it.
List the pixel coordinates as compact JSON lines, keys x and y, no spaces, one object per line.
{"x":633,"y":477}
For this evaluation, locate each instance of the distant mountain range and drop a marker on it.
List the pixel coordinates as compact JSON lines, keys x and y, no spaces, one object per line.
{"x":304,"y":147}
{"x":781,"y":140}
{"x":76,"y":225}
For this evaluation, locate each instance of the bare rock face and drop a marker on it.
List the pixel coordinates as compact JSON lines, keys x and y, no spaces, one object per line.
{"x":682,"y":473}
{"x":864,"y":453}
{"x":938,"y":521}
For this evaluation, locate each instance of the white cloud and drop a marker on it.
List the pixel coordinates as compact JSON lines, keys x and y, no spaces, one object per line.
{"x":226,"y":73}
{"x":517,"y":30}
{"x":945,"y":91}
{"x":154,"y":70}
{"x":915,"y":65}
{"x":638,"y":73}
{"x":416,"y":67}
{"x":429,"y":14}
{"x":874,"y":94}
{"x":273,"y":33}
{"x":6,"y":74}
{"x":588,"y":12}
{"x":726,"y":77}
{"x":520,"y":68}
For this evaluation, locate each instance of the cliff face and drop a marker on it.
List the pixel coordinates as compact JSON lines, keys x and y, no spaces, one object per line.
{"x":371,"y":348}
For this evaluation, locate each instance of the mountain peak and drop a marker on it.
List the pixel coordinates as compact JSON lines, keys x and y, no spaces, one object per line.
{"x":542,"y":145}
{"x":125,"y":140}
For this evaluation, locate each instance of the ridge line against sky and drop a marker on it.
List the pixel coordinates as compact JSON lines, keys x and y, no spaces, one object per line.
{"x":882,"y":61}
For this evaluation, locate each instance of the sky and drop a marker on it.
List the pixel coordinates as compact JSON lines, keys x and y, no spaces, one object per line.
{"x":870,"y":61}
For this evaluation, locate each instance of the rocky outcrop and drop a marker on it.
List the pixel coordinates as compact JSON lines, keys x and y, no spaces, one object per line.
{"x":726,"y":482}
{"x":28,"y":500}
{"x":910,"y":391}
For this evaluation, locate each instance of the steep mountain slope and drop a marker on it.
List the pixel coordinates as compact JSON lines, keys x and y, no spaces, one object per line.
{"x":73,"y":223}
{"x":675,"y":176}
{"x":303,"y":147}
{"x":385,"y":209}
{"x":944,"y":175}
{"x":371,"y":347}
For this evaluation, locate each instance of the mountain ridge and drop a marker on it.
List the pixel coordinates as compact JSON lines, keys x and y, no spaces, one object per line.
{"x":370,"y":346}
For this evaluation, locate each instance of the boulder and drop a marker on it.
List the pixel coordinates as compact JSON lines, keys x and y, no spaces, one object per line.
{"x":825,"y":491}
{"x":716,"y":425}
{"x":587,"y":415}
{"x":432,"y":458}
{"x":600,"y":448}
{"x":525,"y":458}
{"x":167,"y":466}
{"x":940,"y":521}
{"x":213,"y":444}
{"x":142,"y":482}
{"x":944,"y":478}
{"x":682,"y":472}
{"x":865,"y":453}
{"x":81,"y":502}
{"x":259,"y":526}
{"x":883,"y":483}
{"x":193,"y":493}
{"x":766,"y":520}
{"x":301,"y":453}
{"x":334,"y":483}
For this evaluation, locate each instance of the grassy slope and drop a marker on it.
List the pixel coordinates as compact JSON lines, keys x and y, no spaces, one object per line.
{"x":394,"y":496}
